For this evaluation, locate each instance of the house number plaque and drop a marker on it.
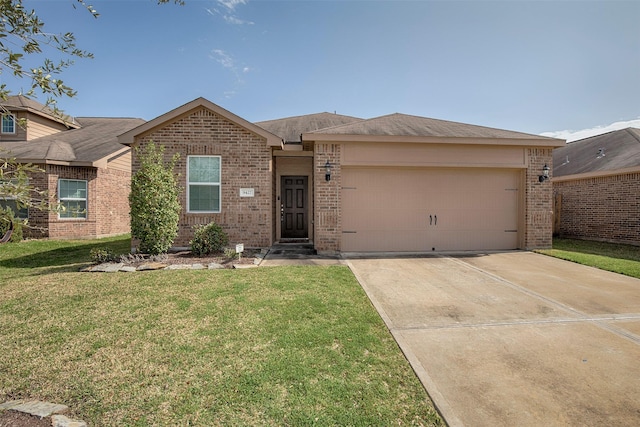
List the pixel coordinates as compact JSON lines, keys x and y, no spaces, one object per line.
{"x":247,"y":192}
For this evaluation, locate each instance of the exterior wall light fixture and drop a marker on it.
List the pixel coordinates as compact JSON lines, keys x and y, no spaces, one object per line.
{"x":327,"y":171}
{"x":545,"y":174}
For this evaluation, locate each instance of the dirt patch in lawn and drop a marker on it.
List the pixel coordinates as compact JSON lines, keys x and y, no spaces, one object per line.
{"x":20,"y":419}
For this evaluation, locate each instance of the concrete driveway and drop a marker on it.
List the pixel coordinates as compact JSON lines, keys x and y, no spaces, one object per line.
{"x":514,"y":339}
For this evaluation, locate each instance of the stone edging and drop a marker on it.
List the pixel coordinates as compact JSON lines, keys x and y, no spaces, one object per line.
{"x":113,"y":267}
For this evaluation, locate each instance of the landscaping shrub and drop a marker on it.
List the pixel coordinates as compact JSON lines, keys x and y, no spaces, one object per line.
{"x":208,"y":239}
{"x":100,"y":255}
{"x":155,"y":209}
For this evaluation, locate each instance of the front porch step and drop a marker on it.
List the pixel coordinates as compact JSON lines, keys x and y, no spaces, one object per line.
{"x":291,"y":250}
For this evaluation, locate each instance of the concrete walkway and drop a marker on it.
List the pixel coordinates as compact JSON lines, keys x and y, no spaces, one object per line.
{"x":514,"y":339}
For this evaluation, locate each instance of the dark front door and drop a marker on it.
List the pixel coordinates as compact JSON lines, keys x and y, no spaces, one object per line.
{"x":294,"y":207}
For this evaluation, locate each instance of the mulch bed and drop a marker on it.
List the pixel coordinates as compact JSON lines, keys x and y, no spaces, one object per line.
{"x":186,"y":257}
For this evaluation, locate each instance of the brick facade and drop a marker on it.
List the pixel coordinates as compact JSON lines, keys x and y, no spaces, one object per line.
{"x":327,"y":215}
{"x":538,"y":201}
{"x":246,"y":163}
{"x":107,"y":203}
{"x":605,"y":208}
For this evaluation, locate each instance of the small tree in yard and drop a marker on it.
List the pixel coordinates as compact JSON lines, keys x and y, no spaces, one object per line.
{"x":153,"y":200}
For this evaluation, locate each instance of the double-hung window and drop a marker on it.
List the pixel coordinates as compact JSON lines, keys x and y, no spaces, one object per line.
{"x":72,"y":194}
{"x":203,"y":184}
{"x":8,"y":123}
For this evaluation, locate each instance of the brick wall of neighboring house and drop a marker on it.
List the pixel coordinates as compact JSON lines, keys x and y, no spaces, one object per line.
{"x":38,"y":222}
{"x":328,"y":219}
{"x":45,"y":223}
{"x":538,"y":201}
{"x":72,"y":228}
{"x":605,"y":208}
{"x":246,"y":163}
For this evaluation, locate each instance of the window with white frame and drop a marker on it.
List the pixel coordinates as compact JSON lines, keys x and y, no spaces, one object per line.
{"x":8,"y":123}
{"x":72,"y":194}
{"x":203,"y":184}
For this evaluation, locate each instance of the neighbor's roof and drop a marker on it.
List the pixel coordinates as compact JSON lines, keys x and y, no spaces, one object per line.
{"x":415,"y":127}
{"x":290,"y":128}
{"x":620,"y":150}
{"x":95,"y":140}
{"x":22,"y":103}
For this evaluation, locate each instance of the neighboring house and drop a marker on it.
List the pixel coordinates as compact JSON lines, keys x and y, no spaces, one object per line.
{"x":86,"y":170}
{"x":393,"y":183}
{"x":597,"y":187}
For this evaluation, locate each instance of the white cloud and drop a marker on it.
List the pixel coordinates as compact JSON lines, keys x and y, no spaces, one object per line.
{"x":231,"y":4}
{"x":223,"y":58}
{"x":574,"y":135}
{"x":228,"y":12}
{"x":236,"y":21}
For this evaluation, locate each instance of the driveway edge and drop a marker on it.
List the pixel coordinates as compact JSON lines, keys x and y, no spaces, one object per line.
{"x":440,"y":403}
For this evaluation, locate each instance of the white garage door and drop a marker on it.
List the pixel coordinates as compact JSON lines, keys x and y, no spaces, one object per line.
{"x":434,"y":209}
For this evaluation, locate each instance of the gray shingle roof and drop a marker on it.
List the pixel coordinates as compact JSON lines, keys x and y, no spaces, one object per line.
{"x":96,"y":139}
{"x":406,"y":125}
{"x":290,"y":128}
{"x":621,"y":149}
{"x":22,"y":103}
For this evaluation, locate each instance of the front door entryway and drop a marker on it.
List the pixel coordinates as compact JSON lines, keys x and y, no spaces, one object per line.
{"x":294,"y":207}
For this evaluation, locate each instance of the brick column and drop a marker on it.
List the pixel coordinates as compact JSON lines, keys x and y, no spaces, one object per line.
{"x":327,"y":215}
{"x":539,"y":200}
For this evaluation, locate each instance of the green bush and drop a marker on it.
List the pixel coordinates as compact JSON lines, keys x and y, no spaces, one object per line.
{"x":155,"y":209}
{"x":100,"y":255}
{"x":7,"y":215}
{"x":208,"y":239}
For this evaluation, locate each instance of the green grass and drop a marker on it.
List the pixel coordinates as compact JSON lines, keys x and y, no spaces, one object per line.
{"x":265,"y":346}
{"x":623,"y":259}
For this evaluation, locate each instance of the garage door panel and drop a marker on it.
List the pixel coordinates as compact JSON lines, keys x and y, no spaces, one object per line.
{"x":395,"y":209}
{"x":386,"y":241}
{"x":384,"y":219}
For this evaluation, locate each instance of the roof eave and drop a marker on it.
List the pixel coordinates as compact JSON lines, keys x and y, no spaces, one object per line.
{"x":68,"y":123}
{"x":529,"y":142}
{"x":596,"y":174}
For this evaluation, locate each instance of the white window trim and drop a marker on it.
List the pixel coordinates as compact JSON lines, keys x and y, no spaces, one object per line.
{"x":218,"y":184}
{"x":2,"y":124}
{"x":75,"y":199}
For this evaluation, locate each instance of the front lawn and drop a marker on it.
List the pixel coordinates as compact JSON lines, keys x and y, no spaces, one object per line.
{"x":623,"y":259}
{"x":263,"y":346}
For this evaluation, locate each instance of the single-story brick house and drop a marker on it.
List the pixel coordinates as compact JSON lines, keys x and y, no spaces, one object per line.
{"x":597,"y":187}
{"x":393,"y":183}
{"x":86,"y":170}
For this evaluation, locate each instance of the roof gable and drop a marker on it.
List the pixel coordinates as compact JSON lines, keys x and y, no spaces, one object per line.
{"x":614,"y":150}
{"x":173,"y":115}
{"x":22,"y":103}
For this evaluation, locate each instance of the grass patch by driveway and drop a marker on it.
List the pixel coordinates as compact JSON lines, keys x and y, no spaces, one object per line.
{"x":623,"y":259}
{"x":263,"y":346}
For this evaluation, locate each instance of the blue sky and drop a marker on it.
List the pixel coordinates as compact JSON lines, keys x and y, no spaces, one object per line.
{"x":531,"y":66}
